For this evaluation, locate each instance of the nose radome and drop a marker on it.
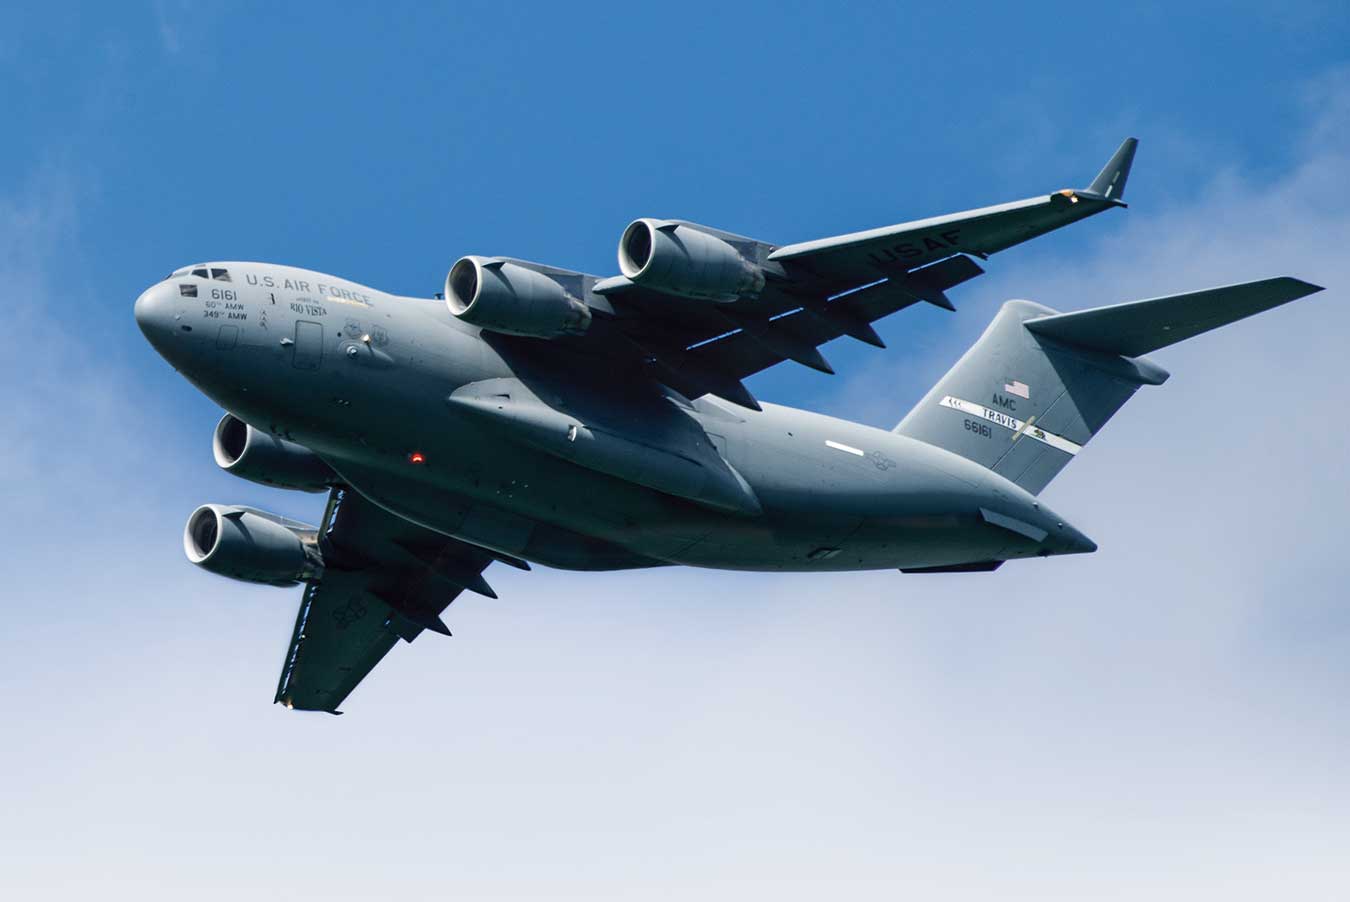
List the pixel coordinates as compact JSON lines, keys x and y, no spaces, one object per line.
{"x":154,"y":312}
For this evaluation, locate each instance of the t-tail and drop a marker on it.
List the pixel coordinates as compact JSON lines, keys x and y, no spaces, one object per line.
{"x":1039,"y":384}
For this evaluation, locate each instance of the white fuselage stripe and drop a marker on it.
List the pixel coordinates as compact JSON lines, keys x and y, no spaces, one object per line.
{"x":841,"y":447}
{"x":1017,"y":426}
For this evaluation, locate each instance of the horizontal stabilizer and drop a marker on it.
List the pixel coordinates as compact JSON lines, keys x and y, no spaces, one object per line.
{"x":1139,"y":327}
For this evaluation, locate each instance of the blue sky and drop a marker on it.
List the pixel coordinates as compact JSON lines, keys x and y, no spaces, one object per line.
{"x":1164,"y":718}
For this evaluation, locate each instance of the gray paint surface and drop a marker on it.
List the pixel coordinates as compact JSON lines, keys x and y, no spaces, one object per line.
{"x":451,"y":446}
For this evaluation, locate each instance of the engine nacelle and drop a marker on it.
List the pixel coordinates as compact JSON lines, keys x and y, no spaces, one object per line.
{"x":251,"y":545}
{"x":681,"y":259}
{"x":507,"y":297}
{"x":259,"y":457}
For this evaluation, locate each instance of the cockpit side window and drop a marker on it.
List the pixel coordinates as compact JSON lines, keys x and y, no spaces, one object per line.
{"x":220,"y":275}
{"x":201,"y":274}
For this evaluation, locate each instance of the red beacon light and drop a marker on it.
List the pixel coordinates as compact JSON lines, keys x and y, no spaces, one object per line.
{"x":416,"y":457}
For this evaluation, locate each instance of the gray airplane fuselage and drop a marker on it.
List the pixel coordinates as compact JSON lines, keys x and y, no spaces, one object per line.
{"x":537,"y":450}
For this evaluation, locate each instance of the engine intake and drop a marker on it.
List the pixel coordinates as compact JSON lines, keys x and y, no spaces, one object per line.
{"x":260,"y":457}
{"x":251,"y":545}
{"x":680,"y":259}
{"x":506,"y":297}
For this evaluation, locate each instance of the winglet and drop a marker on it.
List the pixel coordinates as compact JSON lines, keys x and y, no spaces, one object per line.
{"x":1110,"y":182}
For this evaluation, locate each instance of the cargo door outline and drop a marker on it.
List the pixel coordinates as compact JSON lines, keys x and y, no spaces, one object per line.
{"x":308,"y":352}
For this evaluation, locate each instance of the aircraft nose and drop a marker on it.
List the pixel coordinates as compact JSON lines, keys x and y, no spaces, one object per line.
{"x":154,"y":313}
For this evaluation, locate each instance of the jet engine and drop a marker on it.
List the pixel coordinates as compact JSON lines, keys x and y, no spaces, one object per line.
{"x":681,"y":259}
{"x":260,"y":457}
{"x":251,"y":545}
{"x":506,"y":297}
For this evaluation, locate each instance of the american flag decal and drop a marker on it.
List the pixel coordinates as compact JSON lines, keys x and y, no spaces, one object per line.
{"x":1021,"y":389}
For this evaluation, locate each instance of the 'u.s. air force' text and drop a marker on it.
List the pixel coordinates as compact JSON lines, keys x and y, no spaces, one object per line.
{"x":328,"y":292}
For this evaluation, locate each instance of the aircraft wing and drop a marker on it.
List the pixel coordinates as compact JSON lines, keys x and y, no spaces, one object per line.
{"x":979,"y":232}
{"x":384,"y":579}
{"x":820,"y":290}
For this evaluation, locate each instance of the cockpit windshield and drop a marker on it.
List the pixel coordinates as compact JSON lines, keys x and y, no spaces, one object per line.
{"x":202,"y":272}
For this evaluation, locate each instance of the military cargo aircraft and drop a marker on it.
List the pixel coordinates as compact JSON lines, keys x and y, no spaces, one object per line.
{"x":539,"y":415}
